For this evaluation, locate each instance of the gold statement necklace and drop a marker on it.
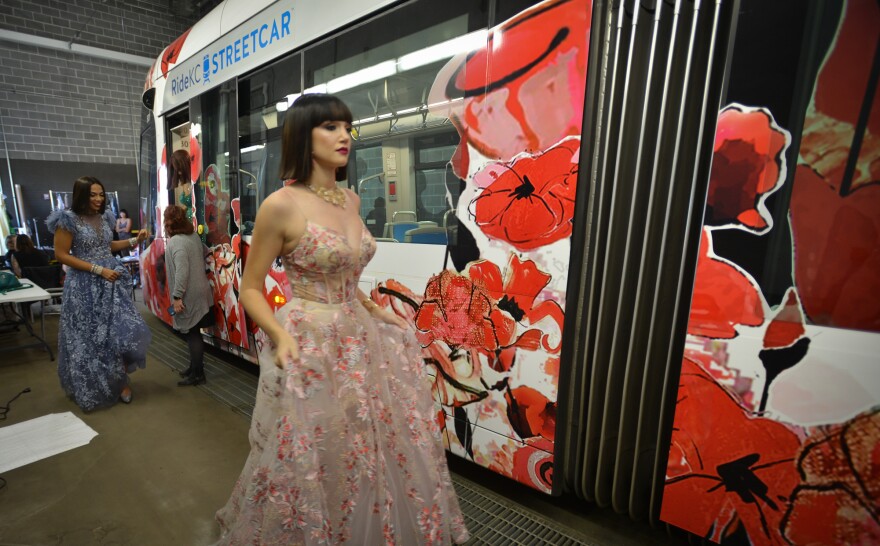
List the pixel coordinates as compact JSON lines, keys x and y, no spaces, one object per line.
{"x":334,"y":196}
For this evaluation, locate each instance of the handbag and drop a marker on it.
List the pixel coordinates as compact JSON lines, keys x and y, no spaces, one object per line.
{"x":9,"y":282}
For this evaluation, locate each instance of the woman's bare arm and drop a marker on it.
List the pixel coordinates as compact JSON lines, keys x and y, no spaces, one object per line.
{"x":267,"y":242}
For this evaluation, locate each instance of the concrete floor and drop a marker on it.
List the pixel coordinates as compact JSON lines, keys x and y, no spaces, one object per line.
{"x":155,"y":474}
{"x":161,"y":466}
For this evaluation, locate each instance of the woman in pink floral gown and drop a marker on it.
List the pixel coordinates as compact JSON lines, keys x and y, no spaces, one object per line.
{"x":344,"y":445}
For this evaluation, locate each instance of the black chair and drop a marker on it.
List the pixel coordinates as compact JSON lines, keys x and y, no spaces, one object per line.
{"x":50,"y":278}
{"x":45,"y":277}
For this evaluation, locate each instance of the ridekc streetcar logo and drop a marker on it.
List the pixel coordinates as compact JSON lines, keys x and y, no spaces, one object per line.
{"x":230,"y":52}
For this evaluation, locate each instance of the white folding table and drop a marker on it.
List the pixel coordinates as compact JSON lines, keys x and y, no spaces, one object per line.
{"x":15,"y":298}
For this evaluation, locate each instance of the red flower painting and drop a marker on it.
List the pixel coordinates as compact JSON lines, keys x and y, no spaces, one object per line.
{"x":530,"y":413}
{"x":836,"y":190}
{"x":533,"y":464}
{"x":524,"y":90}
{"x":516,"y":291}
{"x":726,"y":467}
{"x":530,"y":203}
{"x":748,"y":164}
{"x":838,"y":499}
{"x":172,"y":52}
{"x":459,"y":373}
{"x":723,"y":296}
{"x":837,"y":252}
{"x":460,"y":312}
{"x":456,"y":311}
{"x":157,"y":295}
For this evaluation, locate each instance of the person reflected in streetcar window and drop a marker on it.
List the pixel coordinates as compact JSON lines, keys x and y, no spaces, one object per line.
{"x":377,"y":217}
{"x":342,"y":433}
{"x":180,"y":178}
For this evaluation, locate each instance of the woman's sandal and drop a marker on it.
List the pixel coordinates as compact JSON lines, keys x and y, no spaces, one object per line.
{"x":125,"y":396}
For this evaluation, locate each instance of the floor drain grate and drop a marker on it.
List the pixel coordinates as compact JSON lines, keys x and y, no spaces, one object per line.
{"x":494,"y":520}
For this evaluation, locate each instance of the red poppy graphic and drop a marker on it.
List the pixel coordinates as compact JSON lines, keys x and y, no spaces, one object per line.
{"x":516,"y":291}
{"x":172,"y":52}
{"x":723,"y":297}
{"x":459,"y":377}
{"x":195,"y":159}
{"x":836,"y":195}
{"x":838,"y":499}
{"x":524,"y":90}
{"x":403,"y":301}
{"x":748,"y":165}
{"x":533,"y":464}
{"x":530,"y":203}
{"x":460,"y":312}
{"x":530,"y":413}
{"x":788,"y":324}
{"x":455,"y":311}
{"x":236,"y":218}
{"x":726,"y":467}
{"x":157,"y":295}
{"x":837,"y":252}
{"x":841,"y":93}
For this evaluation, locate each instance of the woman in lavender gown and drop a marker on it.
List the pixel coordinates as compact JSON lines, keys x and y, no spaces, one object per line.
{"x":101,"y":336}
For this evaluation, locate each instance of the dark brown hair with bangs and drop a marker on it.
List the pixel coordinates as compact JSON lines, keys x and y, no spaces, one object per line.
{"x":176,"y":222}
{"x":308,"y":112}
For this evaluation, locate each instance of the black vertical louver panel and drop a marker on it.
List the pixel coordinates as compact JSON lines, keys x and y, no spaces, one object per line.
{"x":619,"y":463}
{"x":575,"y":379}
{"x":654,"y":90}
{"x":629,"y":204}
{"x":606,"y":228}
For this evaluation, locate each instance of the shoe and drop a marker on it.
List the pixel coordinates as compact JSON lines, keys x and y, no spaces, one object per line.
{"x":125,"y":397}
{"x":192,"y":380}
{"x":186,"y":373}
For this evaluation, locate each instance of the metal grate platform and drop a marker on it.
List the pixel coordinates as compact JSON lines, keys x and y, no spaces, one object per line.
{"x":491,"y":518}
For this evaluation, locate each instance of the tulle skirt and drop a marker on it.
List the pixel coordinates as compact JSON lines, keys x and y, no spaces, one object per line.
{"x":345,"y":447}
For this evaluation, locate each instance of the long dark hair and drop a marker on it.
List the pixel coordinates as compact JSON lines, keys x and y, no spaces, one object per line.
{"x":81,"y":190}
{"x":24,"y":244}
{"x":308,"y":112}
{"x":180,"y":167}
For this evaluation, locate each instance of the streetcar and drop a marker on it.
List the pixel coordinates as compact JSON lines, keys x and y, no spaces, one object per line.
{"x":639,"y":248}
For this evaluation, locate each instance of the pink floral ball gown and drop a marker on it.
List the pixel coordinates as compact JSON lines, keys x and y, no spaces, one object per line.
{"x":345,"y":448}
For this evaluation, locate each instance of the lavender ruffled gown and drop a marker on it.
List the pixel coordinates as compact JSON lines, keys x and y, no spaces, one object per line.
{"x":101,"y":335}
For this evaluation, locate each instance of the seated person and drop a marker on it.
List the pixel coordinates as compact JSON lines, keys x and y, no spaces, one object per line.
{"x":377,"y":217}
{"x":6,"y":262}
{"x":25,"y":255}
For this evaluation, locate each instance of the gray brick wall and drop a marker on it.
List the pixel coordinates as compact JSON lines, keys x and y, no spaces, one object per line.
{"x":65,"y":106}
{"x":138,"y":27}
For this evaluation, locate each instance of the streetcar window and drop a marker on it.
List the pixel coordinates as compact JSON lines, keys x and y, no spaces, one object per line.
{"x":147,"y":181}
{"x":384,"y":69}
{"x":262,"y":101}
{"x":217,"y":184}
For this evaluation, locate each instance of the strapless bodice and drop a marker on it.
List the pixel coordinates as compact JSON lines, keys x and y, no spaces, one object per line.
{"x":324,"y":267}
